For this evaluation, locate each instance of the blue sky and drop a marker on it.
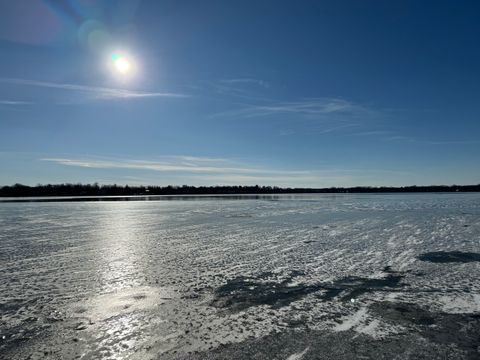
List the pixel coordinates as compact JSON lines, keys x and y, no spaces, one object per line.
{"x":285,"y":93}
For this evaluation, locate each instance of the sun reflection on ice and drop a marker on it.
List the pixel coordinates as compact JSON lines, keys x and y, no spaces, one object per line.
{"x":119,"y":321}
{"x":119,"y":317}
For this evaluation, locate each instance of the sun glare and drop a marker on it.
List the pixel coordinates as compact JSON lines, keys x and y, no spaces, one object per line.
{"x":121,"y":64}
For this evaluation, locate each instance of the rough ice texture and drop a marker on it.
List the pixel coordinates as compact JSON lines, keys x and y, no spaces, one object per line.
{"x":229,"y":278}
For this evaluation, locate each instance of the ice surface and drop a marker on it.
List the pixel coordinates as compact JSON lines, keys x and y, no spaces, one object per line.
{"x":179,"y":278}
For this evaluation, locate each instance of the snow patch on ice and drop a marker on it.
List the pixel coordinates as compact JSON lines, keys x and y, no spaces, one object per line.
{"x":352,"y":320}
{"x":467,"y":303}
{"x":298,"y":356}
{"x":371,"y":329}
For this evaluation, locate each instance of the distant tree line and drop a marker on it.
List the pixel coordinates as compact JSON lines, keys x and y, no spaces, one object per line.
{"x":18,"y":190}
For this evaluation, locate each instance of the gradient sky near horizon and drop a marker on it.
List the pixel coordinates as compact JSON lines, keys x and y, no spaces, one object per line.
{"x":284,"y":93}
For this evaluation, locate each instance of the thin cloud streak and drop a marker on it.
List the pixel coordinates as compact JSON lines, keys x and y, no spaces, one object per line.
{"x":247,"y":89}
{"x":204,"y":170}
{"x":372,"y":133}
{"x":329,"y":130}
{"x":308,"y":107}
{"x":430,"y":142}
{"x":176,"y":164}
{"x":316,"y":178}
{"x":452,"y":142}
{"x":246,"y":81}
{"x":280,"y":180}
{"x":197,"y":158}
{"x":97,"y":92}
{"x":11,"y":102}
{"x":325,"y":130}
{"x":213,"y":174}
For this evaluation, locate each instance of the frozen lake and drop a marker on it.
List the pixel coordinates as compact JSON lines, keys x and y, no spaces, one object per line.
{"x":266,"y":277}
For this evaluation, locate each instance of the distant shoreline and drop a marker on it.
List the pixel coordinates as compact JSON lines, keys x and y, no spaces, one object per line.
{"x":193,"y":197}
{"x":90,"y":191}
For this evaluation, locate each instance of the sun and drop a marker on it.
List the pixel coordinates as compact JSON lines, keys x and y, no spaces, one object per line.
{"x":121,"y":64}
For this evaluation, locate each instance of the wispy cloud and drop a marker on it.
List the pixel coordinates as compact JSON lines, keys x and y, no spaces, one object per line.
{"x":410,"y":139}
{"x":282,"y":180}
{"x":11,"y":102}
{"x":452,"y":142}
{"x":315,"y":107}
{"x":101,"y":93}
{"x":246,"y":81}
{"x":204,"y":171}
{"x":372,"y":133}
{"x":321,"y":129}
{"x":220,"y":171}
{"x":335,"y":128}
{"x":186,"y":164}
{"x":247,"y":89}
